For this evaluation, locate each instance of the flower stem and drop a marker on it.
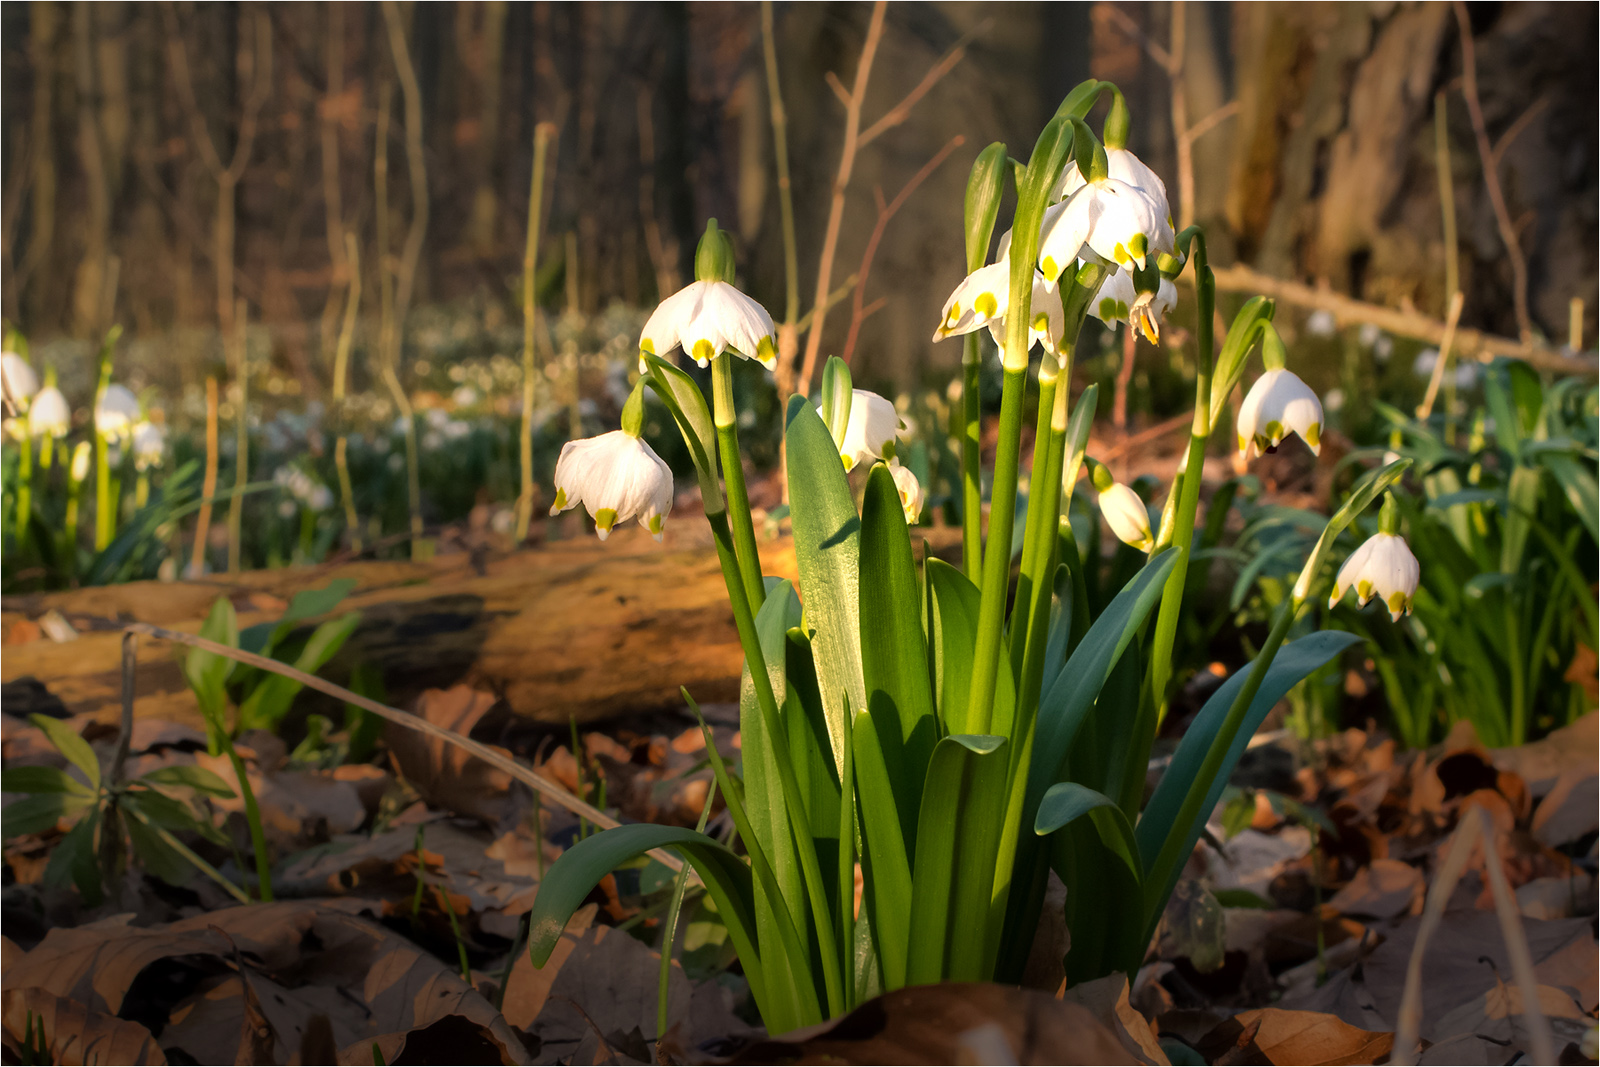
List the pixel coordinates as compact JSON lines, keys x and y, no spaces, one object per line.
{"x":744,"y":534}
{"x":805,"y":844}
{"x":971,"y":460}
{"x":24,"y":484}
{"x":997,"y":553}
{"x":252,"y":815}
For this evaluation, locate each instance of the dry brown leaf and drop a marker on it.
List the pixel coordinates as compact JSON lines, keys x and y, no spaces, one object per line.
{"x":72,"y":1033}
{"x":1311,"y":1037}
{"x":1383,"y":889}
{"x":1542,"y":762}
{"x":1107,"y":999}
{"x":96,"y":964}
{"x":951,"y":1023}
{"x":1497,"y":1015}
{"x":1571,"y":810}
{"x":609,"y":983}
{"x":529,"y":986}
{"x":445,"y":775}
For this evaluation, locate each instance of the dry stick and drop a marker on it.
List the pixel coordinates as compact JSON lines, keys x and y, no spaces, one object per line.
{"x":788,"y":331}
{"x":847,"y":162}
{"x":1426,"y":407}
{"x":341,"y":367}
{"x":208,"y":488}
{"x":662,"y":259}
{"x":501,"y":760}
{"x":886,"y":212}
{"x":1491,"y":176}
{"x":241,"y":439}
{"x":1516,"y":937}
{"x":1482,"y":346}
{"x":332,"y":196}
{"x":406,"y":275}
{"x":542,"y":133}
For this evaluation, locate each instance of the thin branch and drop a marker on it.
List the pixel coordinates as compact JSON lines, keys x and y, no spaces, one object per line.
{"x":1491,"y":176}
{"x":1515,"y":129}
{"x":885,"y":213}
{"x":1125,"y":23}
{"x":902,"y":111}
{"x":1211,"y":121}
{"x":847,"y":161}
{"x":529,"y":777}
{"x":838,"y":87}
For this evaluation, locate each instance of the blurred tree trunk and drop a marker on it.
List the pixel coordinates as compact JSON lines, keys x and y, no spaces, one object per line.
{"x":89,"y":296}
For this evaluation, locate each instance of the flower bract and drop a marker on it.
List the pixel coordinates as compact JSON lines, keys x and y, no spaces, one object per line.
{"x":912,"y":495}
{"x":617,"y":477}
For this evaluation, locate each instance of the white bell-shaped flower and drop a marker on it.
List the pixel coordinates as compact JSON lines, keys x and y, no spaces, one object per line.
{"x":49,"y":415}
{"x":1125,"y":167}
{"x":1127,"y":516}
{"x":1119,"y":301}
{"x":912,"y":495}
{"x":116,"y":412}
{"x":1383,"y":567}
{"x":708,"y":318}
{"x":1279,"y":404}
{"x":983,"y":297}
{"x":873,"y":424}
{"x":149,"y":446}
{"x":617,"y":477}
{"x":17,"y":381}
{"x":1111,"y":219}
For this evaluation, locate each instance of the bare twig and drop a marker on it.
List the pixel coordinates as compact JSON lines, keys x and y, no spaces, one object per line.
{"x":902,"y":111}
{"x":663,"y":258}
{"x":341,"y":365}
{"x":885,"y":213}
{"x":1491,"y":176}
{"x":1163,"y":57}
{"x":780,"y":148}
{"x":1451,"y":320}
{"x":847,"y":162}
{"x":542,"y":135}
{"x":529,"y":777}
{"x":208,"y":487}
{"x":1482,"y":346}
{"x":1515,"y":129}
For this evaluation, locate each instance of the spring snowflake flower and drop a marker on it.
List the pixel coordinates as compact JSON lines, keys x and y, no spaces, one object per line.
{"x":49,"y":415}
{"x":1279,"y":404}
{"x":1127,"y":516}
{"x":1119,"y":301}
{"x":1125,"y":167}
{"x":149,"y":446}
{"x":708,"y":318}
{"x":116,"y":413}
{"x":983,"y":297}
{"x":617,"y":477}
{"x":18,"y":382}
{"x":1115,"y":220}
{"x":1383,"y":567}
{"x":912,"y":495}
{"x":872,"y":428}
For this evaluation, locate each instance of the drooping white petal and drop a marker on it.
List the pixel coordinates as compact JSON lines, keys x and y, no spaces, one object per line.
{"x":1127,"y":516}
{"x":1125,"y":225}
{"x":1047,"y":325}
{"x":49,"y":415}
{"x":981,"y":296}
{"x":1383,"y":566}
{"x":707,"y":318}
{"x":664,"y":329}
{"x":1279,"y":404}
{"x":617,"y":478}
{"x":116,"y":412}
{"x":1122,"y":165}
{"x":149,"y":445}
{"x":873,"y":424}
{"x":1061,"y":237}
{"x":745,"y":325}
{"x":1119,"y":301}
{"x":912,"y":495}
{"x":18,"y":381}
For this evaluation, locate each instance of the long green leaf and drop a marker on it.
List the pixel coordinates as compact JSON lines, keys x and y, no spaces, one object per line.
{"x":573,"y":877}
{"x":953,"y":878}
{"x":1068,"y":801}
{"x":306,"y":604}
{"x":886,"y":864}
{"x":40,"y":812}
{"x":71,"y":745}
{"x":269,"y":702}
{"x":827,"y":535}
{"x":207,"y":672}
{"x":953,"y":634}
{"x":41,"y":780}
{"x":894,"y":657}
{"x":1294,"y":661}
{"x":687,"y":404}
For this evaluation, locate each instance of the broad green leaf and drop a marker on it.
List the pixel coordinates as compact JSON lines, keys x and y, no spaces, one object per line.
{"x":74,"y":860}
{"x":1068,"y":801}
{"x":1578,"y":485}
{"x":207,"y":672}
{"x":155,"y":855}
{"x":953,"y":635}
{"x":71,"y":745}
{"x":41,"y":780}
{"x":190,"y":777}
{"x":885,"y":863}
{"x":269,"y":702}
{"x":827,"y":535}
{"x":307,"y":604}
{"x":894,"y":657}
{"x":40,"y":812}
{"x":573,"y":877}
{"x":1293,"y":662}
{"x":953,"y":879}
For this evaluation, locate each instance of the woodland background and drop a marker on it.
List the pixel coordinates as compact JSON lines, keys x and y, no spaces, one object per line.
{"x":129,"y":129}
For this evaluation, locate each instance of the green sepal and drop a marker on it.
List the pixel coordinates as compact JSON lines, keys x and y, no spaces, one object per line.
{"x":985,"y":186}
{"x":837,"y":393}
{"x":633,"y":411}
{"x":713,"y":257}
{"x":1242,"y":336}
{"x":683,"y":398}
{"x":1115,"y":131}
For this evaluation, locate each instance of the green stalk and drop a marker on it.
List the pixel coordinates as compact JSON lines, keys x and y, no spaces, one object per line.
{"x":744,"y":534}
{"x":1188,"y":499}
{"x":189,"y":854}
{"x":1029,"y":579}
{"x":997,"y":553}
{"x":252,"y":815}
{"x":971,"y":460}
{"x":241,"y":451}
{"x":24,"y":483}
{"x":805,"y":844}
{"x":105,"y":515}
{"x":847,"y":862}
{"x":341,"y":366}
{"x":669,"y":931}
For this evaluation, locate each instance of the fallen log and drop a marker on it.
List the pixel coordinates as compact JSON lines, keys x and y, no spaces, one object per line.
{"x":572,"y":628}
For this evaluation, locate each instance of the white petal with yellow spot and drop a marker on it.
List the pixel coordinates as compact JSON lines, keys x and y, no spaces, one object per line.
{"x":616,"y":477}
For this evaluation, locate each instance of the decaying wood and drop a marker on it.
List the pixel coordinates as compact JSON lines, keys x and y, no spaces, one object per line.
{"x":572,"y":629}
